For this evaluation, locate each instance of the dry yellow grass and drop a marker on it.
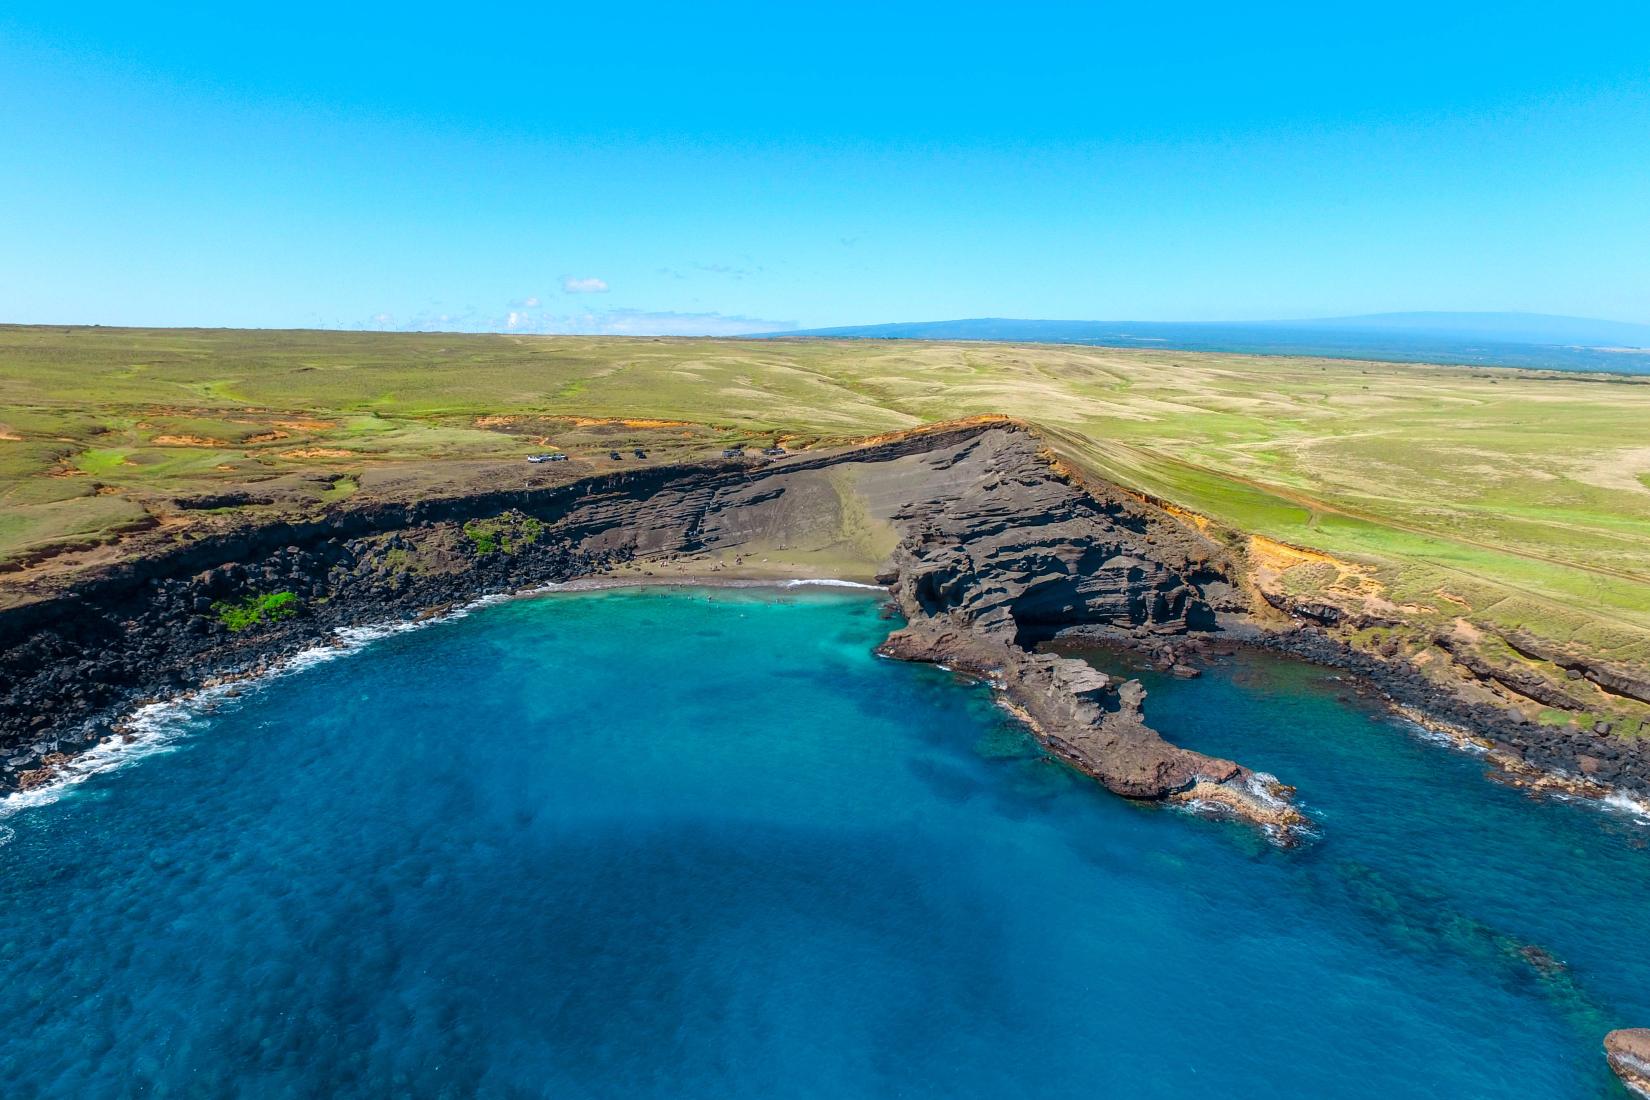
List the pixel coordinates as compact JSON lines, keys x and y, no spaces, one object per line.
{"x":1524,"y":496}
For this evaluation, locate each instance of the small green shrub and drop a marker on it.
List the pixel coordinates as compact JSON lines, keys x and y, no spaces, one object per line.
{"x":483,"y":535}
{"x":270,"y":607}
{"x":508,"y":533}
{"x":530,"y":529}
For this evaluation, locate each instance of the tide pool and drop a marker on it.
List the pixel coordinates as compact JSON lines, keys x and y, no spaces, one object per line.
{"x":704,"y":844}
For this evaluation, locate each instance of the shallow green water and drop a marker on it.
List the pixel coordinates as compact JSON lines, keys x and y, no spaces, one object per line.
{"x":705,"y":844}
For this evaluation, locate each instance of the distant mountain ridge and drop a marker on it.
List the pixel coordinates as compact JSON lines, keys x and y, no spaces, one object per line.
{"x":1468,"y":339}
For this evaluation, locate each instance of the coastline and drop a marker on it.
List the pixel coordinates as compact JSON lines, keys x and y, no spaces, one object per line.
{"x":150,"y":727}
{"x":1002,"y":550}
{"x":1429,"y":711}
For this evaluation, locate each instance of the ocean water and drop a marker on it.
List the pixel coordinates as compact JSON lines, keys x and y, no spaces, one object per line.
{"x":1353,"y":338}
{"x":704,"y":844}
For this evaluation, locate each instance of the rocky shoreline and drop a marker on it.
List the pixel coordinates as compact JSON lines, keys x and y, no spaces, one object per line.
{"x":1542,"y":760}
{"x":995,"y":549}
{"x":1539,"y":758}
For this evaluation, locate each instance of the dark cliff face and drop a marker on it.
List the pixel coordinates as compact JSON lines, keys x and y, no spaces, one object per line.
{"x":1023,"y":553}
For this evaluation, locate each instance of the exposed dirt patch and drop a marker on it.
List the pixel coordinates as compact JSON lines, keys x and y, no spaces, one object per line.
{"x":1620,"y":469}
{"x":318,"y":452}
{"x":944,"y":425}
{"x":1197,"y":520}
{"x":1280,"y":556}
{"x":187,"y":441}
{"x":511,"y":421}
{"x":627,"y":422}
{"x":1467,"y":632}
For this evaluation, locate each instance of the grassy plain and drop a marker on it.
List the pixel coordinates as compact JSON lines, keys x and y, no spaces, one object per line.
{"x":1506,"y":498}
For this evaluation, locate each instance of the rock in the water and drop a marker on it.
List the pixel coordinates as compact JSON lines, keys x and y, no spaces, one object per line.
{"x":1628,"y":1050}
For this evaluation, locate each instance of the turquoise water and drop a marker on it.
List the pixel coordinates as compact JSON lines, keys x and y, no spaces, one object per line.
{"x":705,"y":845}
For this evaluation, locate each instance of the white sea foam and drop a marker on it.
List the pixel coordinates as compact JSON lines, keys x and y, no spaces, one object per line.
{"x":1260,"y":786}
{"x":1627,"y":804}
{"x":829,"y":582}
{"x":147,"y":730}
{"x":1439,"y":737}
{"x":1614,"y":800}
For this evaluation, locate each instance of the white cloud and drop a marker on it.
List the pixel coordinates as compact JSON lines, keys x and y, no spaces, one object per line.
{"x":641,"y":322}
{"x":636,"y":322}
{"x":606,"y":322}
{"x":586,"y":285}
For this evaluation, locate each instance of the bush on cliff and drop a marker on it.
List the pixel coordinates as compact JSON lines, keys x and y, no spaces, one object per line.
{"x":509,"y":533}
{"x":268,"y":608}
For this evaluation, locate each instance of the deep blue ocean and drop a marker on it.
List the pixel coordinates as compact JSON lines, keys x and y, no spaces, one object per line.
{"x":1576,"y":346}
{"x":705,"y":844}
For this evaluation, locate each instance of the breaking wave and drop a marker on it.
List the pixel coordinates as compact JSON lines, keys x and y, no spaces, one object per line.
{"x":827,"y":582}
{"x":155,"y":727}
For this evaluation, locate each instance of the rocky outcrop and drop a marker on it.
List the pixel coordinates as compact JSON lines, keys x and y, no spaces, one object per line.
{"x":1628,"y":1051}
{"x":1314,"y":610}
{"x":981,"y":576}
{"x":1612,"y":680}
{"x":1520,"y":681}
{"x":1097,"y":726}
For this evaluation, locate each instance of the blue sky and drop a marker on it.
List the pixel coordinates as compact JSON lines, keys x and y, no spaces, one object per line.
{"x":738,"y":167}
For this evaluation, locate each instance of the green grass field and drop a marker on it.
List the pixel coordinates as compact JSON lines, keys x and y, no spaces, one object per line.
{"x":1507,"y":498}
